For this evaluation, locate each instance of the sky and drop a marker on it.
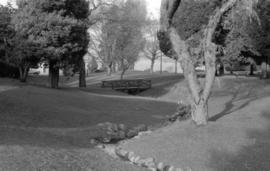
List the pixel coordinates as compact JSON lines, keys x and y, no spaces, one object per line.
{"x":152,"y":7}
{"x":4,"y":2}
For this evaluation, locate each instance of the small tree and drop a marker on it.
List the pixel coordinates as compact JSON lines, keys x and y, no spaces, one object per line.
{"x":152,"y":50}
{"x":60,"y":30}
{"x":22,"y":54}
{"x":119,"y":39}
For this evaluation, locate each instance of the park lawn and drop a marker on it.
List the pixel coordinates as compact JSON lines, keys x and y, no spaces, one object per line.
{"x":237,"y":137}
{"x":45,"y":129}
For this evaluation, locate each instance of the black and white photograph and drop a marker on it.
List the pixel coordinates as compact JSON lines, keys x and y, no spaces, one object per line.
{"x":134,"y":85}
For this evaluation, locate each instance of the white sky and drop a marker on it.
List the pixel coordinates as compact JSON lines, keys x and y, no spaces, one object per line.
{"x":153,"y":6}
{"x":4,"y":2}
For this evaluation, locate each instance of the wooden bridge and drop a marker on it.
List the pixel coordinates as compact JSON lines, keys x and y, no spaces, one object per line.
{"x":130,"y":86}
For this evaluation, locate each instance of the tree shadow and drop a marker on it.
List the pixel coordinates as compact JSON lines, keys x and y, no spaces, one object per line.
{"x":250,"y":158}
{"x":231,"y":106}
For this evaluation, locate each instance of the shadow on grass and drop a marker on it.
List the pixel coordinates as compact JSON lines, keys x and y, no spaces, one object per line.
{"x":232,"y":106}
{"x":250,"y":158}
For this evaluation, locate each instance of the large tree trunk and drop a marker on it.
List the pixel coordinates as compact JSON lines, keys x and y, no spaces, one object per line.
{"x":200,"y":112}
{"x":199,"y":96}
{"x":199,"y":115}
{"x":23,"y":73}
{"x":251,"y":71}
{"x":161,"y":64}
{"x":109,"y":70}
{"x":264,"y":73}
{"x":82,"y":80}
{"x":122,"y":74}
{"x":152,"y":66}
{"x":175,"y":66}
{"x":53,"y":74}
{"x":113,"y":69}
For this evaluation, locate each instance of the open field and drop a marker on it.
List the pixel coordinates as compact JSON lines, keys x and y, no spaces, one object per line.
{"x":45,"y":129}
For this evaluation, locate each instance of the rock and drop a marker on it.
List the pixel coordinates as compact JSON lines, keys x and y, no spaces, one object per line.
{"x":106,"y":139}
{"x":153,"y":169}
{"x":101,"y":146}
{"x":122,"y":134}
{"x":130,"y":155}
{"x":122,"y":153}
{"x":93,"y":141}
{"x":160,"y":166}
{"x":171,"y":168}
{"x":101,"y":124}
{"x":112,"y":127}
{"x":140,"y":162}
{"x":178,"y":169}
{"x":132,"y":159}
{"x":149,"y":163}
{"x":141,"y":128}
{"x":132,"y":133}
{"x":122,"y":127}
{"x":166,"y":168}
{"x":137,"y":159}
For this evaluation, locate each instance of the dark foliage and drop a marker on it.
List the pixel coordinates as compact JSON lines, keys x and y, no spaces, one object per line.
{"x":192,"y":15}
{"x":8,"y":71}
{"x":183,"y":112}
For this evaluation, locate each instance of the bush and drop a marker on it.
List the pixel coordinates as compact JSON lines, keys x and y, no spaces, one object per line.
{"x":183,"y":112}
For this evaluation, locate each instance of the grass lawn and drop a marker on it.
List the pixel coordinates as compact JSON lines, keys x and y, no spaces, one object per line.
{"x":236,"y":139}
{"x":45,"y":129}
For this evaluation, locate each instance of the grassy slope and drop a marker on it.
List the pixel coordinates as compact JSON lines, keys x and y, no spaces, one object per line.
{"x":237,"y":138}
{"x":44,"y":129}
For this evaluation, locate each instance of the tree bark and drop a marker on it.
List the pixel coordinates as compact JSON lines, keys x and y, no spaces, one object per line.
{"x":161,"y":64}
{"x":122,"y":74}
{"x":152,"y":66}
{"x":175,"y":66}
{"x":200,"y":95}
{"x":53,"y":74}
{"x":251,"y":72}
{"x":264,"y":73}
{"x":200,"y":112}
{"x":109,"y":70}
{"x":23,"y":73}
{"x":82,"y":80}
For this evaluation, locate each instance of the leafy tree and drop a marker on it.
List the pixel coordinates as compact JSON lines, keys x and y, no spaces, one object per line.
{"x":21,"y":50}
{"x":121,"y":35}
{"x":189,"y":25}
{"x":59,"y":28}
{"x":264,"y":14}
{"x":6,"y":32}
{"x":22,"y":53}
{"x":152,"y":50}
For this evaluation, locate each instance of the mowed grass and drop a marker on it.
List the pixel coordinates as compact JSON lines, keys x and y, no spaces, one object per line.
{"x":46,"y":129}
{"x":236,"y":138}
{"x":68,"y":108}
